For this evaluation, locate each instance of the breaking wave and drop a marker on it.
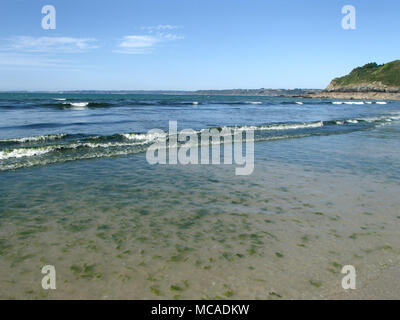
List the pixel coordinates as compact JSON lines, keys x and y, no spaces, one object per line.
{"x":39,"y":150}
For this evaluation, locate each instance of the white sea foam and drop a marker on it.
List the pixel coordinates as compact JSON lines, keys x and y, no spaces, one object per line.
{"x":143,"y":136}
{"x":376,"y":119}
{"x":24,"y":152}
{"x":299,"y":102}
{"x":60,"y":99}
{"x":195,"y":103}
{"x":149,"y":137}
{"x":286,"y":126}
{"x":354,"y":102}
{"x":337,"y":102}
{"x":32,"y":155}
{"x":77,"y":105}
{"x":370,"y":120}
{"x":36,"y":162}
{"x":381,"y":102}
{"x":97,"y":145}
{"x":37,"y":138}
{"x":254,"y":102}
{"x":31,"y":152}
{"x":294,"y":126}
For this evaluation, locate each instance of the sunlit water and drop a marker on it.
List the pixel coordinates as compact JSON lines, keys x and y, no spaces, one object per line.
{"x":323,"y":194}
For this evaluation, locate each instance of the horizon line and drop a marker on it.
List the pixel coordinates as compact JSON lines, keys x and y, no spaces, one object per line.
{"x":154,"y":90}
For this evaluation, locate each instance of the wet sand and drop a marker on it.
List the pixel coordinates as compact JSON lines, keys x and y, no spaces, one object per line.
{"x":284,"y":234}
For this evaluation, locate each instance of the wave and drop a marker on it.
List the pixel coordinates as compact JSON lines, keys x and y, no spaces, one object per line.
{"x":109,"y":154}
{"x":137,"y":136}
{"x":38,"y":151}
{"x":294,"y":126}
{"x":24,"y":152}
{"x":165,"y":103}
{"x":253,"y":102}
{"x":76,"y":105}
{"x":358,"y":102}
{"x":277,"y":127}
{"x":348,"y":102}
{"x":46,"y":161}
{"x":143,"y":136}
{"x":64,"y":103}
{"x":55,"y":148}
{"x":34,"y":139}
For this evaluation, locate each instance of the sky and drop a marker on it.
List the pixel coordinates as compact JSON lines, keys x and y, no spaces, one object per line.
{"x":191,"y":44}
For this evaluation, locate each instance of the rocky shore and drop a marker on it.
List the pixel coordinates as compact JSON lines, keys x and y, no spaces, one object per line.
{"x":355,"y":95}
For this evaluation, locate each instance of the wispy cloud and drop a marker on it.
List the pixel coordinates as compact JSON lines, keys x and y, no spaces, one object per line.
{"x":31,"y":60}
{"x":137,"y":44}
{"x":50,"y":44}
{"x":144,"y":44}
{"x":160,"y":27}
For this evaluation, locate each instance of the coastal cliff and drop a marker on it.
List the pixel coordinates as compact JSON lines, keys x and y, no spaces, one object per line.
{"x":371,"y":81}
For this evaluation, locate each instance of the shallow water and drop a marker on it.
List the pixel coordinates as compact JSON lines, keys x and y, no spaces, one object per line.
{"x":117,"y":227}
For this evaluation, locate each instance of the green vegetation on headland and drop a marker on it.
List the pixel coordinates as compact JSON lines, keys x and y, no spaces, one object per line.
{"x":371,"y":82}
{"x":369,"y":78}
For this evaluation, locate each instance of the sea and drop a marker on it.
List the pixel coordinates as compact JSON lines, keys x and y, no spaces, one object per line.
{"x":78,"y":193}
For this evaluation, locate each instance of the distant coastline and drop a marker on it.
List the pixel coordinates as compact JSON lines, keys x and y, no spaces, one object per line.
{"x":224,"y":92}
{"x":286,"y":93}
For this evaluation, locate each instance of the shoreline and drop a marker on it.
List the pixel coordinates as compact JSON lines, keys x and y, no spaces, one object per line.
{"x":355,"y":95}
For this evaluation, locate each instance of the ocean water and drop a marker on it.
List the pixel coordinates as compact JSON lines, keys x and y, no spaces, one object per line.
{"x":77,"y":192}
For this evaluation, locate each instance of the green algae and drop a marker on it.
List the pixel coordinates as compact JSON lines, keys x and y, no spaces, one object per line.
{"x":175,"y":287}
{"x":85,"y":271}
{"x":274,"y":294}
{"x":155,"y":290}
{"x":316,"y":284}
{"x":229,"y":293}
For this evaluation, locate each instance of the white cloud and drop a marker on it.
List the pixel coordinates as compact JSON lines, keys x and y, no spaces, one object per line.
{"x":170,"y":36}
{"x":143,"y":44}
{"x":138,"y":41}
{"x":50,"y":44}
{"x":160,"y":27}
{"x":137,"y":44}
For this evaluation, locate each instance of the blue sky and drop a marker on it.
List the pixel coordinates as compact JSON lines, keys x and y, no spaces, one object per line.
{"x":190,"y":44}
